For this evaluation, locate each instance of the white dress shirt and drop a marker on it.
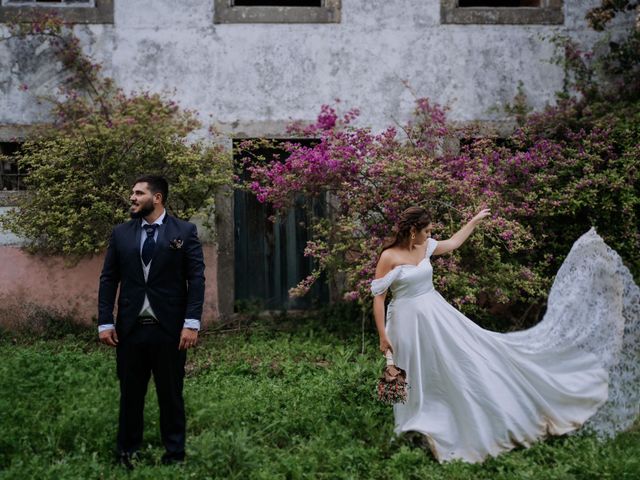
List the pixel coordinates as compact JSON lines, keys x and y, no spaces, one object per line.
{"x":146,"y":309}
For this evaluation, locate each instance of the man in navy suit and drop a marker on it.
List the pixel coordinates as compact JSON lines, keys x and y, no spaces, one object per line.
{"x":157,"y":262}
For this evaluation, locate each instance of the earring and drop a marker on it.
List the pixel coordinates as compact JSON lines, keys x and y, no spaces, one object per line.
{"x":413,"y":236}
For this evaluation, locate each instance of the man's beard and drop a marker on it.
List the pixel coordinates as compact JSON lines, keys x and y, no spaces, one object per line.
{"x":145,"y":210}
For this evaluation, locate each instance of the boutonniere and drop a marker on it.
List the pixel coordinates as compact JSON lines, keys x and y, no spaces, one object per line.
{"x":176,"y":244}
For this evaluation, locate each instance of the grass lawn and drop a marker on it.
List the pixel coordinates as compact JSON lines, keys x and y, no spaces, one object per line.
{"x":267,"y":403}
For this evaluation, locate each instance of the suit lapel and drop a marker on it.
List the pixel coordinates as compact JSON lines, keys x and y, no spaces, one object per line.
{"x":162,"y":244}
{"x":134,"y":241}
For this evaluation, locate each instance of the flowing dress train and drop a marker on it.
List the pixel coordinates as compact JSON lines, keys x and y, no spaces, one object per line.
{"x":476,"y":393}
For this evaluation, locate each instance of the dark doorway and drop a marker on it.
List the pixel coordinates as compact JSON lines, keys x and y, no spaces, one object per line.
{"x":269,"y":256}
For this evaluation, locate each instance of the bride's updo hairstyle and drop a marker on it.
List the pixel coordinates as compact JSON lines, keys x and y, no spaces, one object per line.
{"x":416,"y":217}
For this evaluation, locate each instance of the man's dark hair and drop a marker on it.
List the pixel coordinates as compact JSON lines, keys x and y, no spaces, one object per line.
{"x":157,"y":184}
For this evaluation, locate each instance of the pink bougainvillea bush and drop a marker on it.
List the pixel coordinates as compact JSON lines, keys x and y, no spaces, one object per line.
{"x":546,"y":184}
{"x":368,"y":178}
{"x":570,"y":167}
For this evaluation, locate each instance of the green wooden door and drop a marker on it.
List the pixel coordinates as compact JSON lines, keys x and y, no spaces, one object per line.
{"x":269,"y":256}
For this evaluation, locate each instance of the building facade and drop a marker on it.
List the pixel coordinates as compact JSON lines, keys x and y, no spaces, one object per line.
{"x":250,"y":67}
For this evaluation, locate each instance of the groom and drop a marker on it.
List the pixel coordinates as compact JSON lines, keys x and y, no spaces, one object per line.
{"x":157,"y":262}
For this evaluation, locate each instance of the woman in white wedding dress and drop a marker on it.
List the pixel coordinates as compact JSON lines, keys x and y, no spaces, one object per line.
{"x":474,"y":393}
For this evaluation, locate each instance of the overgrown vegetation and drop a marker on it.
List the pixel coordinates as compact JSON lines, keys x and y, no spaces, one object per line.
{"x":295,"y":399}
{"x":570,"y":167}
{"x":81,"y":166}
{"x":289,"y":399}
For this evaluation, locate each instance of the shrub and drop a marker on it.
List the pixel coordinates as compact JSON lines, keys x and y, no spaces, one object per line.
{"x":82,"y":166}
{"x":370,"y":178}
{"x":570,"y":167}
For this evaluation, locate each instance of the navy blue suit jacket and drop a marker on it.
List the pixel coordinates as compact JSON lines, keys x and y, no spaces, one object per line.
{"x":175,"y":285}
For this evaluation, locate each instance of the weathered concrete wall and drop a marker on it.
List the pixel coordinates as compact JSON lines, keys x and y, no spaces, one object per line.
{"x":30,"y":282}
{"x":253,"y":79}
{"x":246,"y":74}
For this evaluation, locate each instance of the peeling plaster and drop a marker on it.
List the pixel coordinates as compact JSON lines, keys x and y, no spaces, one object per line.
{"x":280,"y":72}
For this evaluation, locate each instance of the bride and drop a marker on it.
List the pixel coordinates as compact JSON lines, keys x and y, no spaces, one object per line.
{"x":474,"y":393}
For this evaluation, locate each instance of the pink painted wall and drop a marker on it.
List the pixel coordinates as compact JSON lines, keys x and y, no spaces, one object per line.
{"x":32,"y":283}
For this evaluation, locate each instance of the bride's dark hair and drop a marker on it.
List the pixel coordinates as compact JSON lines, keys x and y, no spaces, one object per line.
{"x":416,"y":217}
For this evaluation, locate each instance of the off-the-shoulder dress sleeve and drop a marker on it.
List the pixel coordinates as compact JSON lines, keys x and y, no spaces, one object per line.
{"x":431,"y":246}
{"x":382,"y":284}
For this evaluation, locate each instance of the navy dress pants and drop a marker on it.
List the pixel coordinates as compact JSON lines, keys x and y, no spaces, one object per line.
{"x":147,"y":350}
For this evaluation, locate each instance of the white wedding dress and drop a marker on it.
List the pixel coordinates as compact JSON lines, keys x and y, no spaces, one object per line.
{"x":475,"y":393}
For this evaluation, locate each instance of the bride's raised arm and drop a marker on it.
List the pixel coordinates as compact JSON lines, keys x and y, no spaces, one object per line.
{"x":458,"y":238}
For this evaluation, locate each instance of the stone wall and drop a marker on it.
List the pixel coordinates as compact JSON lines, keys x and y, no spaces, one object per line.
{"x":31,"y":283}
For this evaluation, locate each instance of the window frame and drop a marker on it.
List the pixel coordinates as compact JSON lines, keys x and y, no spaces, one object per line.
{"x":101,"y":12}
{"x":226,"y":12}
{"x":549,"y":13}
{"x":18,"y":176}
{"x":13,"y":134}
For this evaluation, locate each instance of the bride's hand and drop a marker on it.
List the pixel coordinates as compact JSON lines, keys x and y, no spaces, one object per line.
{"x":485,"y":212}
{"x":385,"y":345}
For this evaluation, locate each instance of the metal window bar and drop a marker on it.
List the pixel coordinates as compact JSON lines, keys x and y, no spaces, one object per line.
{"x":277,"y":3}
{"x":11,"y":176}
{"x":49,"y":3}
{"x":499,"y":3}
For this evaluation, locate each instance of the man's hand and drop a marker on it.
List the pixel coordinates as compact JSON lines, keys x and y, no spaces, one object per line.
{"x":188,"y":338}
{"x":109,"y":337}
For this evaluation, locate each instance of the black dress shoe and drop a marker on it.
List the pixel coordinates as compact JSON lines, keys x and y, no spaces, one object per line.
{"x":172,"y":458}
{"x":126,"y":460}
